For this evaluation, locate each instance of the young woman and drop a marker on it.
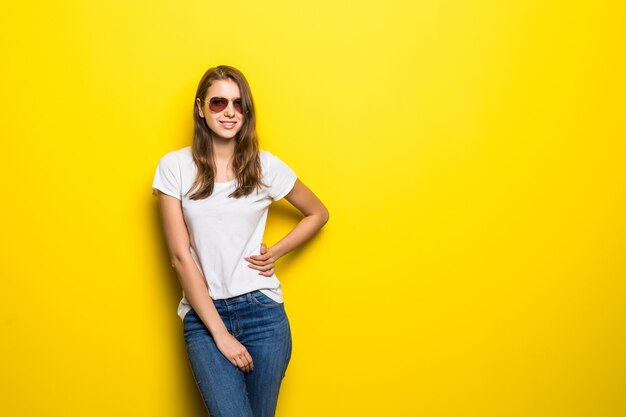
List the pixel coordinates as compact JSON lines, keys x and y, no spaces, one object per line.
{"x":214,"y":197}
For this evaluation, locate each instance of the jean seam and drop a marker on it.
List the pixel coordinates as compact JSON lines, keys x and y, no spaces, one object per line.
{"x":198,"y":385}
{"x":239,"y":330}
{"x":274,"y":305}
{"x":230,"y":319}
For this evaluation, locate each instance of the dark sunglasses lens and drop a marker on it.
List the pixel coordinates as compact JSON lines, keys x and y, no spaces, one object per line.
{"x":237,"y":105}
{"x":217,"y":104}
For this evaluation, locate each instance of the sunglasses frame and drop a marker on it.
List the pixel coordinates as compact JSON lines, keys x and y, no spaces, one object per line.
{"x":237,"y":104}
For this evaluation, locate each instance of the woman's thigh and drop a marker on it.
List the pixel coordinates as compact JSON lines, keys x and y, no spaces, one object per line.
{"x":267,"y":336}
{"x":221,"y":384}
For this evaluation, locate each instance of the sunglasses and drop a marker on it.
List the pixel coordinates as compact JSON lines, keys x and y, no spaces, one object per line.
{"x":218,"y":104}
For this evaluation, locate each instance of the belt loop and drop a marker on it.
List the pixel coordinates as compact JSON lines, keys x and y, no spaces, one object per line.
{"x":249,"y":296}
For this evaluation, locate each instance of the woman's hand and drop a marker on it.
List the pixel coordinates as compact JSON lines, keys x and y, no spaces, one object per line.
{"x":234,"y":351}
{"x":263,"y":262}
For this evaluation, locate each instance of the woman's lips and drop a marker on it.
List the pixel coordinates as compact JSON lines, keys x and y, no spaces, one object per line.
{"x":228,"y":125}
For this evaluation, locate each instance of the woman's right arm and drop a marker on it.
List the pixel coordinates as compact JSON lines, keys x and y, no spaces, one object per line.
{"x":193,"y":284}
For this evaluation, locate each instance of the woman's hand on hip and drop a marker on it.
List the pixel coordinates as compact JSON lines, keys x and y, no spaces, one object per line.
{"x":263,"y":262}
{"x":234,"y":351}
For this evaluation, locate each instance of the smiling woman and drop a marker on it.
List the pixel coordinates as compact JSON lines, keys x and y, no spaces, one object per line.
{"x":214,"y":199}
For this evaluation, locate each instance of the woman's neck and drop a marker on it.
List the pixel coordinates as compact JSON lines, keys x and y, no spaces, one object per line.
{"x":223,"y":149}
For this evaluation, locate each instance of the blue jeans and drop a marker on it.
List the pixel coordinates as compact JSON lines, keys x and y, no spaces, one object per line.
{"x":261,"y":325}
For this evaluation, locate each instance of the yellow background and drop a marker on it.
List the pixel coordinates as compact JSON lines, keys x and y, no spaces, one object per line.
{"x":471,"y":155}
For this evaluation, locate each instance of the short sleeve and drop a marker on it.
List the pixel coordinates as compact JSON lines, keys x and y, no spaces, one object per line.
{"x":167,"y":178}
{"x":280,"y":176}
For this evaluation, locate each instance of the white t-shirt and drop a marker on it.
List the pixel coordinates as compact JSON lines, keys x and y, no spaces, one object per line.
{"x":223,"y":230}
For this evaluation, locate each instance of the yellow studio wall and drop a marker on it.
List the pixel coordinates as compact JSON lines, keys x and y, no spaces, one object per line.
{"x":471,"y":154}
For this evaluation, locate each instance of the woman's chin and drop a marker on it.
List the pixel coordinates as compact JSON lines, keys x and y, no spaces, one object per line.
{"x":225,"y":136}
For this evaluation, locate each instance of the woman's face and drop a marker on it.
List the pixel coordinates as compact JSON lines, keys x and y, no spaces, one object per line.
{"x":225,"y":122}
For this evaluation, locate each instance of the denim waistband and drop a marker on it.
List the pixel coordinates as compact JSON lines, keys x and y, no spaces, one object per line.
{"x":243,"y":298}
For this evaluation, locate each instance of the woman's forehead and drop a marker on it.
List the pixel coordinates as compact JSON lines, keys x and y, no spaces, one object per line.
{"x":223,"y":88}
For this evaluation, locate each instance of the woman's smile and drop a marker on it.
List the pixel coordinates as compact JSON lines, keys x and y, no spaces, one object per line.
{"x":228,"y":124}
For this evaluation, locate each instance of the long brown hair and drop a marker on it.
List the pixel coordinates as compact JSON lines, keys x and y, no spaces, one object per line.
{"x":246,"y":161}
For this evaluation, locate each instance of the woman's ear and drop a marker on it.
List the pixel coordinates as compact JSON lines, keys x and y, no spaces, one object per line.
{"x":199,"y":104}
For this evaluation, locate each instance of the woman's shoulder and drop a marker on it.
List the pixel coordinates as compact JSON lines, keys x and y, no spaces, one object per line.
{"x":179,"y":153}
{"x":267,"y":158}
{"x":177,"y":156}
{"x":272,"y":165}
{"x":264,"y":154}
{"x":269,"y":161}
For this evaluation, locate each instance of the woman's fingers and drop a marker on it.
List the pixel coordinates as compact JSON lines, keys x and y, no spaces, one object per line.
{"x":238,"y":362}
{"x":263,"y":267}
{"x":261,"y":263}
{"x":249,"y":359}
{"x":243,"y":362}
{"x":268,"y":273}
{"x":259,"y":258}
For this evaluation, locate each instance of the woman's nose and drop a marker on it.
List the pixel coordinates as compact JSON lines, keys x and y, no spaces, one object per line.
{"x":229,"y":111}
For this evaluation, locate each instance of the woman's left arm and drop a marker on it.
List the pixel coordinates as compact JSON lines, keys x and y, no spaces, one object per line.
{"x":315,"y":216}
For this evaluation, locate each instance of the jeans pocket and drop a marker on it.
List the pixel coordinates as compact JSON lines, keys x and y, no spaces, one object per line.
{"x":263,"y":300}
